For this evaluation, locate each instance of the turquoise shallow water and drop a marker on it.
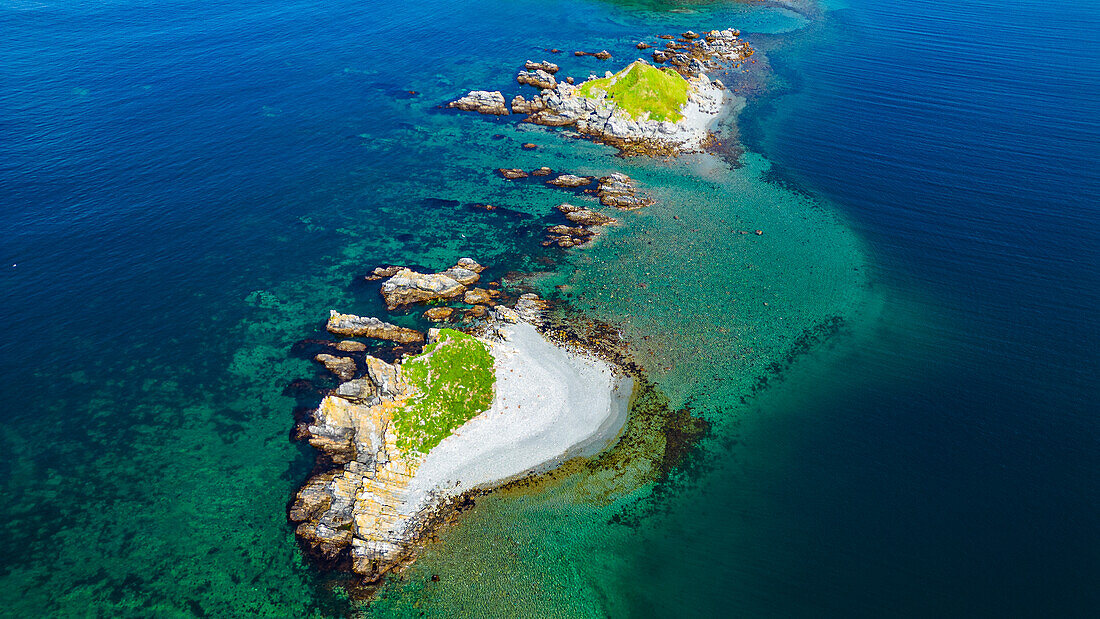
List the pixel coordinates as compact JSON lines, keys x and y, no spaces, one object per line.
{"x":906,"y":427}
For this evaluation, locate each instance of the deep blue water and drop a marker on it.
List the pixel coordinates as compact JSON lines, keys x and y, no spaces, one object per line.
{"x":157,"y":159}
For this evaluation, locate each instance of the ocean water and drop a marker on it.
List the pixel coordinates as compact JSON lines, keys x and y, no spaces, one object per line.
{"x":899,"y":374}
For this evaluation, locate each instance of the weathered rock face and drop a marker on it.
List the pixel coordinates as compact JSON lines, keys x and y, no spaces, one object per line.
{"x":549,"y":67}
{"x":620,"y":191}
{"x":520,"y":105}
{"x":350,"y":325}
{"x":343,"y":367}
{"x":539,"y":79}
{"x":584,"y":216}
{"x":481,"y":101}
{"x":570,"y":180}
{"x":408,"y":286}
{"x":359,"y":510}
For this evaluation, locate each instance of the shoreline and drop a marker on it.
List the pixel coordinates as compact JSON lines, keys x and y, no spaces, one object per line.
{"x":376,"y":500}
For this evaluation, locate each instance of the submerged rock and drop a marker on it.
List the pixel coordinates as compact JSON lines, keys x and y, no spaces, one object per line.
{"x":350,"y":325}
{"x":481,"y":101}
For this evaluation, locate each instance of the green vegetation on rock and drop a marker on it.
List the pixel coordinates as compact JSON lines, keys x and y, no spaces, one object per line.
{"x":454,"y":377}
{"x":642,"y":91}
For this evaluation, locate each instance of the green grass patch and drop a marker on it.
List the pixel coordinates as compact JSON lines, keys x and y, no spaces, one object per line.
{"x":642,"y":91}
{"x":455,"y":377}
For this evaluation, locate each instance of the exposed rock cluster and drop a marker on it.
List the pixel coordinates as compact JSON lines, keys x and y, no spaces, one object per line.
{"x":537,"y":78}
{"x":481,"y":101}
{"x":571,"y":236}
{"x":350,"y":325}
{"x":407,"y":286}
{"x":620,"y":191}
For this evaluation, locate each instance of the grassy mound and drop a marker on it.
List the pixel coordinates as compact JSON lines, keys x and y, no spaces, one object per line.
{"x":455,"y":378}
{"x":642,"y":91}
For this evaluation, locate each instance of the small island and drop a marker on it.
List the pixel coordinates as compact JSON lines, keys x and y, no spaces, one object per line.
{"x":641,"y":109}
{"x":408,"y":440}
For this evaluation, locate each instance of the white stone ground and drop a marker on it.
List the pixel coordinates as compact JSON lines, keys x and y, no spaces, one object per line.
{"x":550,"y":405}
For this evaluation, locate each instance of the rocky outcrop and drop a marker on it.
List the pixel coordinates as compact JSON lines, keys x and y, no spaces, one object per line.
{"x":546,"y":66}
{"x":571,"y":181}
{"x":407,"y":286}
{"x":543,"y":171}
{"x":481,"y":101}
{"x":584,"y":216}
{"x":539,"y":79}
{"x":512,"y":173}
{"x":350,"y":325}
{"x":358,"y":510}
{"x":620,"y":191}
{"x":520,"y":105}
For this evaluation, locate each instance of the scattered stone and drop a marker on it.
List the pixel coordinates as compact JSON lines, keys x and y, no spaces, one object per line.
{"x":343,"y":367}
{"x":569,"y":80}
{"x":439,"y":314}
{"x":485,"y":207}
{"x":603,"y":54}
{"x":580,"y":53}
{"x":554,"y":51}
{"x":481,"y":101}
{"x":512,"y":173}
{"x":529,"y":146}
{"x":543,"y":171}
{"x":350,"y":346}
{"x":664,"y":36}
{"x":643,"y":45}
{"x":758,"y":232}
{"x":689,"y":35}
{"x":477,"y":311}
{"x":570,"y":180}
{"x":546,"y":66}
{"x":350,"y":325}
